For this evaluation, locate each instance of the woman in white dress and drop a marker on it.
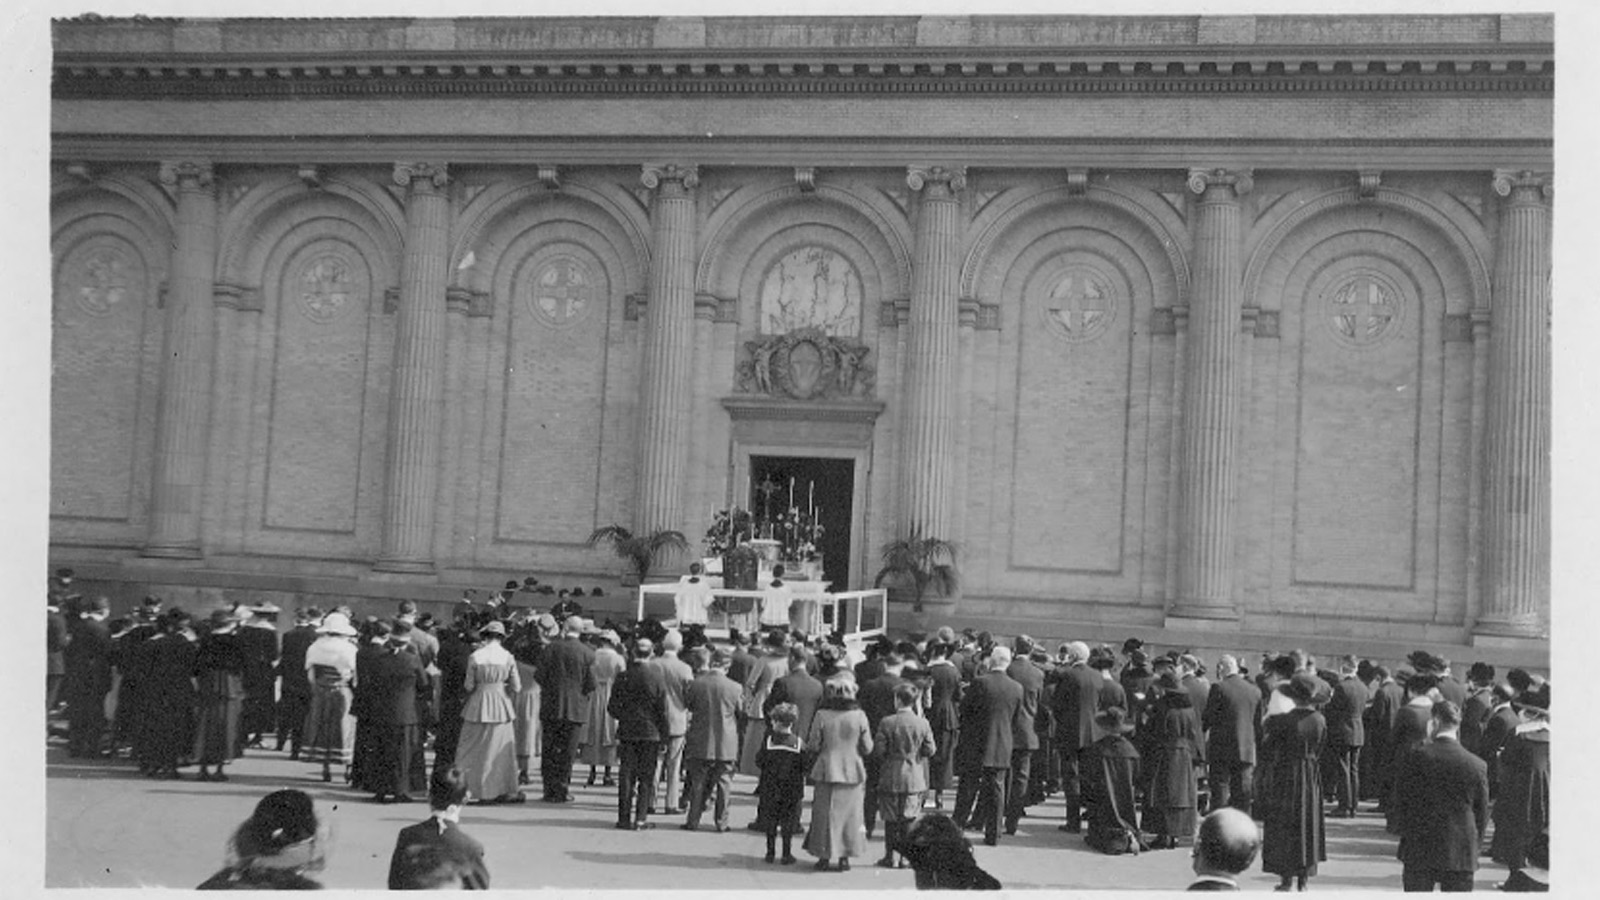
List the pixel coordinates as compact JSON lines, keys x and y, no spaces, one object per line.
{"x":330,"y":729}
{"x":600,"y":733}
{"x":487,"y":751}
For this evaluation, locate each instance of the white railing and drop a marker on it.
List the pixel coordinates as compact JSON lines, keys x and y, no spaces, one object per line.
{"x":859,"y":614}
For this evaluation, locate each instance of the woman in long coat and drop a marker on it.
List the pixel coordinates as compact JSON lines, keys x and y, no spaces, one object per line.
{"x":1293,"y":841}
{"x":1176,"y":745}
{"x":600,"y":732}
{"x":330,"y":730}
{"x":219,"y":676}
{"x":1110,"y":769}
{"x":840,"y":739}
{"x":487,"y":751}
{"x":525,"y":647}
{"x":1522,"y":805}
{"x":169,"y":696}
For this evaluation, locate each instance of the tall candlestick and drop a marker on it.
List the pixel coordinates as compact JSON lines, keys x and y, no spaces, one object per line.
{"x":791,"y":493}
{"x":811,"y":496}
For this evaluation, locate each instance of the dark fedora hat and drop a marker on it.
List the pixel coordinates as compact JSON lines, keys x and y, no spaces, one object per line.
{"x":1303,"y":687}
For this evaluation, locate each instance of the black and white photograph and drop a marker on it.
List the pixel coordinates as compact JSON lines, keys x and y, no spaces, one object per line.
{"x":834,"y":447}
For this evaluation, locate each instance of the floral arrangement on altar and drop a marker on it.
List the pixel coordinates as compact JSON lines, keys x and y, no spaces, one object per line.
{"x":796,"y":531}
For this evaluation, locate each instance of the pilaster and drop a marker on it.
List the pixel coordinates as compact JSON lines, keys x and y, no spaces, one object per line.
{"x":1516,"y":587}
{"x":927,"y":441}
{"x":667,"y":378}
{"x":184,"y":421}
{"x":1209,"y":436}
{"x":416,"y":399}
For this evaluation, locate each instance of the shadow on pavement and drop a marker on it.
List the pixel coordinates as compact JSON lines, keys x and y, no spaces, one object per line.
{"x":681,"y":860}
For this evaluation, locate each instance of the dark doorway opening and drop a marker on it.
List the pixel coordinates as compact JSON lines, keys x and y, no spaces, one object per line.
{"x":826,"y":485}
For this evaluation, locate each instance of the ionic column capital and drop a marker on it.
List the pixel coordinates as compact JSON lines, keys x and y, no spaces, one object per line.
{"x":940,"y":180}
{"x":434,"y":174}
{"x":1528,"y":185}
{"x":1239,"y":180}
{"x":188,"y":175}
{"x":653,"y":175}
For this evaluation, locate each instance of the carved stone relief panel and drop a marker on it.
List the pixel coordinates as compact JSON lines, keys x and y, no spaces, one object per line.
{"x":811,"y":287}
{"x":806,"y":364}
{"x":562,"y":292}
{"x":1081,"y":304}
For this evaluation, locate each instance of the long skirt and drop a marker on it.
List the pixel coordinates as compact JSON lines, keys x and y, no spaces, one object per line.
{"x":487,"y":756}
{"x":838,"y":827}
{"x":217,"y":736}
{"x":527,"y":705}
{"x":169,"y":733}
{"x":942,"y":767}
{"x":330,"y":732}
{"x":393,"y":756}
{"x":755,"y":734}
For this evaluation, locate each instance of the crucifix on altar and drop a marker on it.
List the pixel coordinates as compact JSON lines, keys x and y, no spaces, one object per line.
{"x":767,"y":488}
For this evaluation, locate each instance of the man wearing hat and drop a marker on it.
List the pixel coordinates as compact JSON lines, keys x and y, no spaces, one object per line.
{"x":1109,"y":771}
{"x":295,"y":698}
{"x":639,"y":704}
{"x":258,"y":638}
{"x":1441,"y":807}
{"x":1026,"y":673}
{"x":1475,"y":711}
{"x":1077,"y":699}
{"x":566,"y":679}
{"x":711,"y":747}
{"x":1229,"y":718}
{"x":398,"y":683}
{"x":87,"y":658}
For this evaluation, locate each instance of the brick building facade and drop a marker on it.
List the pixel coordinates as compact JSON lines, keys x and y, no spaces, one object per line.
{"x":1227,"y":330}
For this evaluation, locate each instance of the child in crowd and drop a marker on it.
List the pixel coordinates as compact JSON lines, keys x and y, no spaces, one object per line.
{"x":783,"y":780}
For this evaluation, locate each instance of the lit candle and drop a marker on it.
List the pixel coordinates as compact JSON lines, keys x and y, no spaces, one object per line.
{"x":791,"y":493}
{"x":811,"y":496}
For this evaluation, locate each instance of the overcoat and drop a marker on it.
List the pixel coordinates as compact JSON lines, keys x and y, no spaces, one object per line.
{"x":1343,"y":712}
{"x":991,"y":713}
{"x":1174,"y":781}
{"x":639,"y":704}
{"x":1077,"y":699}
{"x":1230,"y":720}
{"x":1441,"y":806}
{"x":567,"y":679}
{"x":1031,"y":678}
{"x":804,"y":691}
{"x":840,"y":740}
{"x":902,"y":741}
{"x":713,"y":700}
{"x":1522,"y":804}
{"x":1290,"y":796}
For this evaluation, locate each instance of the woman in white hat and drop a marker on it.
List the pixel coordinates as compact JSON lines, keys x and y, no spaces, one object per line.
{"x":487,"y":751}
{"x":330,"y":730}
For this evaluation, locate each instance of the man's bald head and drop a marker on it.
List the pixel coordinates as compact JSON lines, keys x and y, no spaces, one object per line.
{"x":1227,"y":844}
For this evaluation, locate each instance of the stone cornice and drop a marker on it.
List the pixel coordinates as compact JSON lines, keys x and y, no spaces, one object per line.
{"x":854,"y":152}
{"x":79,"y":77}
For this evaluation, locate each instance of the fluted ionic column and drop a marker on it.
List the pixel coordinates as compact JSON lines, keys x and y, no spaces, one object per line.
{"x":1208,"y":467}
{"x":411,"y":486}
{"x":927,"y":441}
{"x":1516,"y":594}
{"x":667,"y":381}
{"x":183,"y":425}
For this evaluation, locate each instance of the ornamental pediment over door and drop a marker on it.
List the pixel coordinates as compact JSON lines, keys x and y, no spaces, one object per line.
{"x":806,"y":364}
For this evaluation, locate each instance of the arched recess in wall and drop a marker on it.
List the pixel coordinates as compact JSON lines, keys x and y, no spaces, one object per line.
{"x":607,"y":208}
{"x":379,"y":211}
{"x":1368,"y":407}
{"x":322,"y":262}
{"x":752,"y":214}
{"x":110,"y":247}
{"x":558,"y":437}
{"x":1076,"y":280}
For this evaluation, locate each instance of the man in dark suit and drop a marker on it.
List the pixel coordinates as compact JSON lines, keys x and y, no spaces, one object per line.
{"x":877,"y":701}
{"x":1480,"y":699}
{"x":1077,"y":699}
{"x":1387,"y":698}
{"x":1024,"y":672}
{"x":396,"y":683}
{"x":56,"y":640}
{"x":991,"y":714}
{"x":566,"y":680}
{"x":1229,"y":717}
{"x":88,"y":679}
{"x":1347,"y":735}
{"x":797,"y":687}
{"x":1226,"y":845}
{"x":711,"y":748}
{"x":1196,"y":684}
{"x":1441,"y":807}
{"x":639,"y":704}
{"x":436,"y":854}
{"x":295,"y":700}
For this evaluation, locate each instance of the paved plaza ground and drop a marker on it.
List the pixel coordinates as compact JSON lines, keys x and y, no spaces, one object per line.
{"x":110,"y":827}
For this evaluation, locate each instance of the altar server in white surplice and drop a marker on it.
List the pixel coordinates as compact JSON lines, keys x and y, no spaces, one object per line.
{"x":694,"y":597}
{"x":775,"y":600}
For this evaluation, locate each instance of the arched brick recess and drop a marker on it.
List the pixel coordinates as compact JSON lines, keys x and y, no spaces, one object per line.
{"x":280,"y":198}
{"x":1368,"y":431}
{"x":106,"y":282}
{"x":482,"y":224}
{"x":750,"y":215}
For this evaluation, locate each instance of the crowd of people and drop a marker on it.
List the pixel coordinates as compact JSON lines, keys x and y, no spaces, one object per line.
{"x":929,"y":737}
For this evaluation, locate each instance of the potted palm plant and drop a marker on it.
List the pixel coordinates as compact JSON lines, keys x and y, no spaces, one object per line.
{"x":918,"y":567}
{"x":641,"y":552}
